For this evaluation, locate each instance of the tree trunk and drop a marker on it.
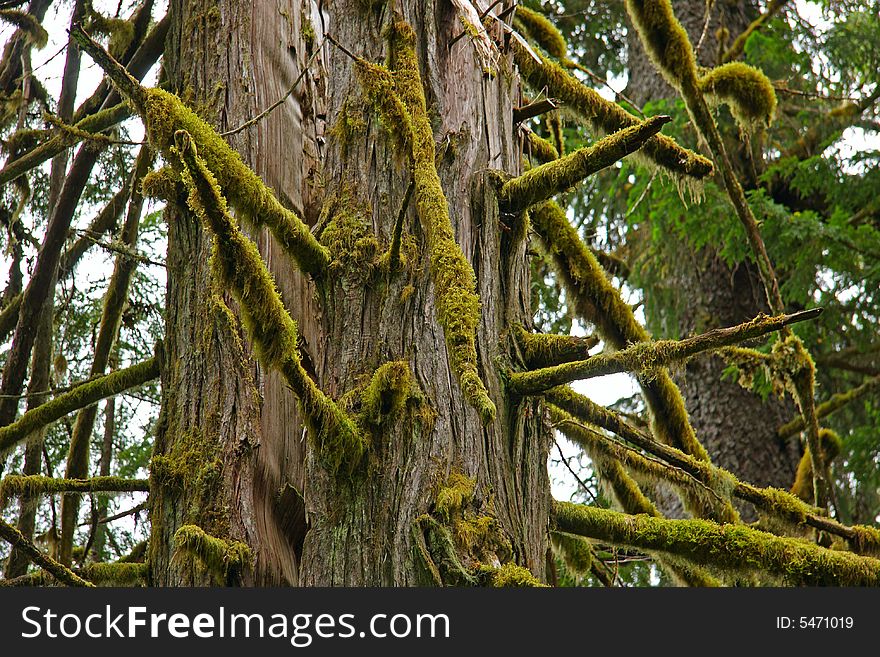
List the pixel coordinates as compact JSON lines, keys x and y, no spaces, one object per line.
{"x":232,"y":455}
{"x":737,"y":427}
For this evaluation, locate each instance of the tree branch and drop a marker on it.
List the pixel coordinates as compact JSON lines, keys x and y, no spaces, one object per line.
{"x":59,"y":572}
{"x":834,"y":403}
{"x":545,"y":181}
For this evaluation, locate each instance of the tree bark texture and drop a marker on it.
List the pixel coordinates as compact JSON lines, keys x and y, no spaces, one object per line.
{"x":232,"y":454}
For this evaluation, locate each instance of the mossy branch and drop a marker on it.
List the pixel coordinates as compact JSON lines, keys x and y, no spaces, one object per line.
{"x":274,"y":333}
{"x":606,"y":117}
{"x":27,"y":23}
{"x":575,"y":551}
{"x":17,"y":540}
{"x":218,"y":556}
{"x":83,"y":395}
{"x":596,"y":300}
{"x":834,"y":403}
{"x":732,"y":547}
{"x":545,"y":349}
{"x":803,"y":481}
{"x":772,"y":501}
{"x":545,"y":181}
{"x":32,"y":485}
{"x":164,"y":114}
{"x":648,"y":357}
{"x":539,"y":148}
{"x":458,"y":306}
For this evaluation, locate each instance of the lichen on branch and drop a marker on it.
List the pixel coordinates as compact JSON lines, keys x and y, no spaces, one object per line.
{"x":240,"y":268}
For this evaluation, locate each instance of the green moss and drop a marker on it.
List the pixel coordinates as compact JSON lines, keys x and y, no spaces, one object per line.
{"x":545,"y":181}
{"x":24,"y":21}
{"x":353,"y":248}
{"x":189,"y":464}
{"x":458,"y":307}
{"x":544,"y":349}
{"x":831,"y":444}
{"x":350,"y":125}
{"x":222,"y":558}
{"x":731,"y":547}
{"x":120,"y":31}
{"x":387,"y":393}
{"x":81,"y":396}
{"x":745,"y":89}
{"x":665,"y":40}
{"x":32,"y":485}
{"x":452,"y":497}
{"x":116,"y":574}
{"x":509,"y":575}
{"x":605,"y":117}
{"x":165,"y":114}
{"x":575,"y":552}
{"x":539,"y":148}
{"x":163,"y":184}
{"x":542,"y":31}
{"x":240,"y":268}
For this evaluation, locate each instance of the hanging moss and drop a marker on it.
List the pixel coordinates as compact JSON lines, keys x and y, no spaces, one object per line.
{"x":733,"y":547}
{"x":120,"y":31}
{"x":575,"y":552}
{"x":544,"y":349}
{"x":458,"y":307}
{"x":547,"y":180}
{"x":605,"y":117}
{"x":353,"y":248}
{"x":239,"y":266}
{"x":36,"y":33}
{"x":746,"y":91}
{"x":220,"y":557}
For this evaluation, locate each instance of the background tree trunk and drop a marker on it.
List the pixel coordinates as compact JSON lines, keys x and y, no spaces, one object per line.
{"x":737,"y":427}
{"x":327,"y":157}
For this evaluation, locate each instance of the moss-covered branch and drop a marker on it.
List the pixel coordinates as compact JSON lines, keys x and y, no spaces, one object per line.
{"x":648,"y":357}
{"x":80,"y":397}
{"x":834,"y":403}
{"x":218,"y":556}
{"x":606,"y":117}
{"x":545,"y":181}
{"x":731,"y":547}
{"x":803,"y":481}
{"x":545,"y":349}
{"x":596,"y":300}
{"x":539,"y":148}
{"x":164,"y":114}
{"x":17,"y":540}
{"x":736,"y":49}
{"x":458,"y":306}
{"x":241,"y":269}
{"x":32,"y":485}
{"x":773,"y":502}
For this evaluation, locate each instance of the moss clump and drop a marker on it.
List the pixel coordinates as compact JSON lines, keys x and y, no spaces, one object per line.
{"x":575,"y":551}
{"x":24,"y":21}
{"x":387,"y":393}
{"x":116,"y":574}
{"x":745,"y":89}
{"x":452,"y":498}
{"x":163,"y":184}
{"x":401,"y":99}
{"x":241,"y":269}
{"x":353,"y":248}
{"x":120,"y":31}
{"x":545,"y":349}
{"x":188,"y":464}
{"x":542,"y":31}
{"x":223,"y":559}
{"x":539,"y":148}
{"x":508,"y":575}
